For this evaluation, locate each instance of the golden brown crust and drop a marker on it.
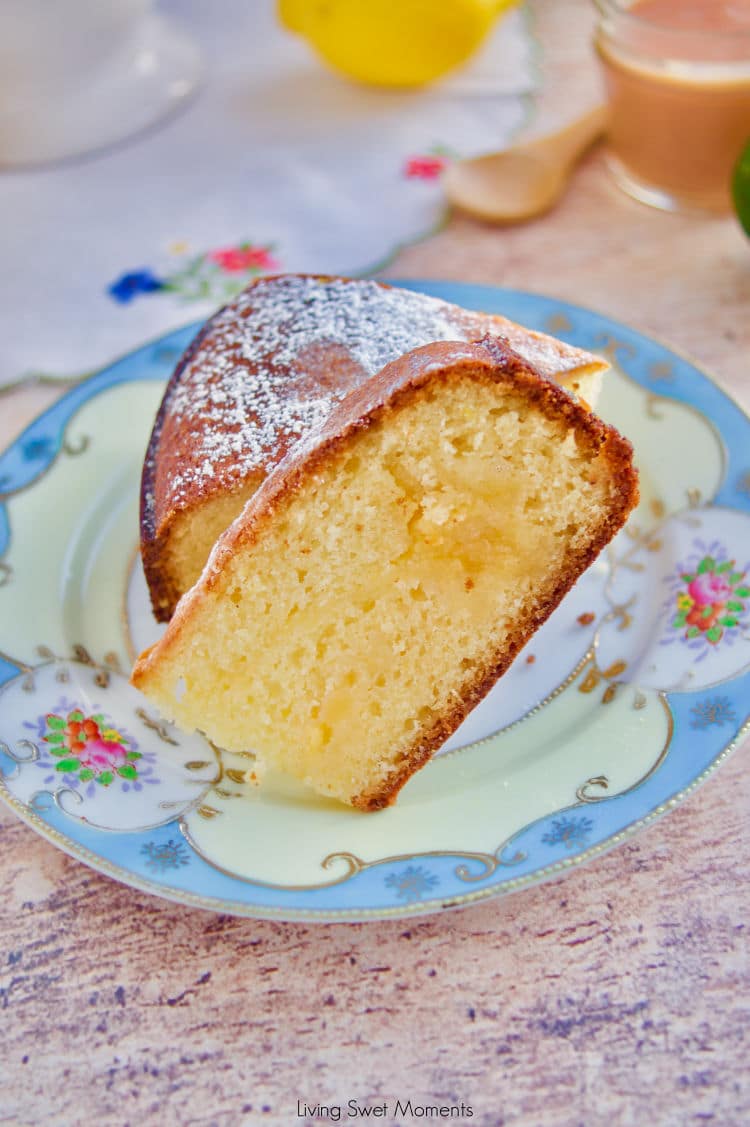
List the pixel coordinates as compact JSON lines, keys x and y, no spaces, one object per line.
{"x":493,"y":361}
{"x":155,"y":555}
{"x":179,"y":440}
{"x":157,"y":516}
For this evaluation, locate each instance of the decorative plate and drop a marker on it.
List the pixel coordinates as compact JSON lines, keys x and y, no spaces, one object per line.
{"x":629,"y":696}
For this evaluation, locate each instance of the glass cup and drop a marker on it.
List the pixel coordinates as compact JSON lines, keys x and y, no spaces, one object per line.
{"x":78,"y":75}
{"x":677,"y":76}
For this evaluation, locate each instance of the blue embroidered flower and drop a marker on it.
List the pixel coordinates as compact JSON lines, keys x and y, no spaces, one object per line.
{"x":165,"y":855}
{"x":713,"y":710}
{"x":130,"y":285}
{"x":412,"y":882}
{"x":573,"y":833}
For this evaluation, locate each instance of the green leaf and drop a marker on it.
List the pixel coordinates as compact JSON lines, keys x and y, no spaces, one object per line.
{"x":707,"y":612}
{"x":55,"y":721}
{"x":59,"y":749}
{"x":76,"y":716}
{"x":714,"y":634}
{"x":68,"y":765}
{"x":735,"y":576}
{"x":743,"y":592}
{"x":734,"y":605}
{"x":127,"y":771}
{"x":693,"y":632}
{"x":85,"y":774}
{"x":708,"y":563}
{"x":679,"y":621}
{"x":105,"y":778}
{"x":687,"y":578}
{"x":728,"y":621}
{"x":133,"y":755}
{"x":100,"y":719}
{"x":55,"y":738}
{"x":726,"y":566}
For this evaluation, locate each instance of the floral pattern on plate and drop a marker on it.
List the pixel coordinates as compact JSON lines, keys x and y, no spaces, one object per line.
{"x":683,"y":589}
{"x":711,"y":598}
{"x":88,"y":751}
{"x":97,"y":752}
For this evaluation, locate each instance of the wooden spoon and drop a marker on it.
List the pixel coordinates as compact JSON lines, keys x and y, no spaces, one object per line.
{"x":523,"y":181}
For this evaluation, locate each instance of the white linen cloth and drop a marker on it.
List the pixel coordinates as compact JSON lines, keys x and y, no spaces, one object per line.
{"x":275,"y":153}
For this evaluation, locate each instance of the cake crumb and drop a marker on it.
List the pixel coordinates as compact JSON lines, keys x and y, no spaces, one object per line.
{"x":530,"y":659}
{"x":586,"y":618}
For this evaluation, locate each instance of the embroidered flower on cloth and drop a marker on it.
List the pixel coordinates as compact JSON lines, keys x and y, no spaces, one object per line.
{"x":428,"y":167}
{"x":236,"y":260}
{"x":128,"y":286}
{"x":216,"y":275}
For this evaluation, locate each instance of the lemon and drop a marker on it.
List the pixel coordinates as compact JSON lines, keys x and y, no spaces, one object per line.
{"x":741,"y":188}
{"x":393,"y":42}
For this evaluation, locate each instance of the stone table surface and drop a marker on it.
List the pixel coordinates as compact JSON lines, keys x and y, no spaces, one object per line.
{"x":619,"y":994}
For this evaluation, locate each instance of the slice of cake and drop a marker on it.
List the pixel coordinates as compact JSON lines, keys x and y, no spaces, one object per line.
{"x":263,"y":371}
{"x":389,"y":569}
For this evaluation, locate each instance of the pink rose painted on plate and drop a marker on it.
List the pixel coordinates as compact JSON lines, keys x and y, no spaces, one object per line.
{"x":87,"y":751}
{"x":709,"y":588}
{"x":710,"y":599}
{"x":89,"y":747}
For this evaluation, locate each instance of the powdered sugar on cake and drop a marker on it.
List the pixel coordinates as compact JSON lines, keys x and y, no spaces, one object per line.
{"x":272,"y":365}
